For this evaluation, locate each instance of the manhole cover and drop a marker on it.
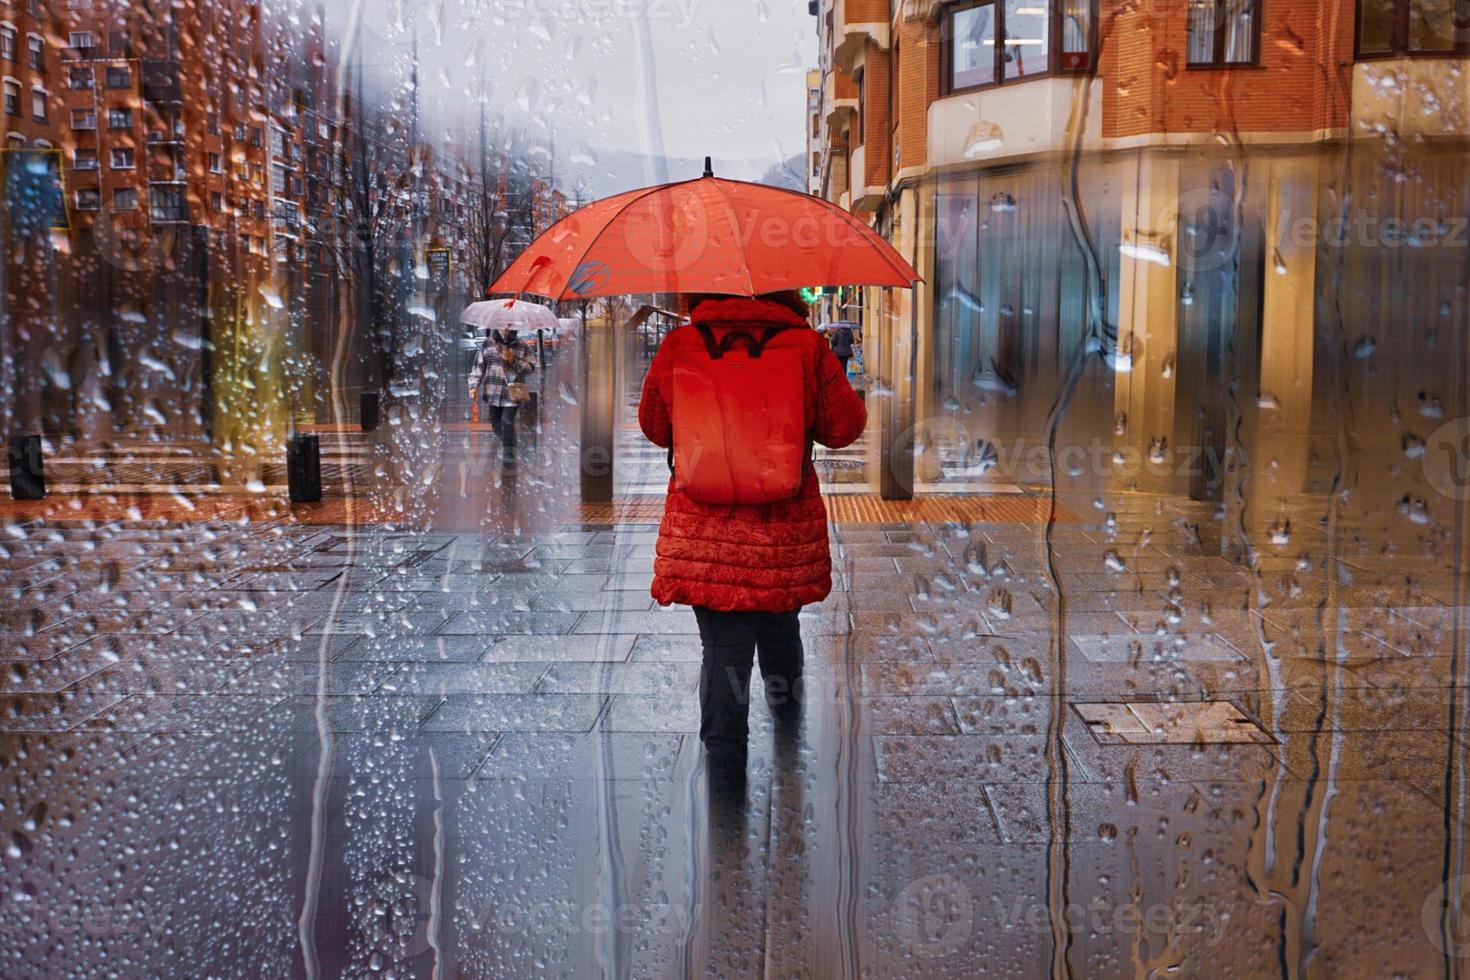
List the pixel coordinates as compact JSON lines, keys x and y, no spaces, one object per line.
{"x":1169,"y":722}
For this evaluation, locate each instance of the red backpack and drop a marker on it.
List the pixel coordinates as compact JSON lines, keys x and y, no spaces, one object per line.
{"x":739,"y":419}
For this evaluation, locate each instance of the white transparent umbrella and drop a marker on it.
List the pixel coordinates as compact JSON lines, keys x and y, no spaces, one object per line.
{"x":508,"y":314}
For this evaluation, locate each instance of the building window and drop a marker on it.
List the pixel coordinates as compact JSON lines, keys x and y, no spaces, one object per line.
{"x":37,"y":48}
{"x":12,"y":98}
{"x":988,"y":42}
{"x":216,"y":202}
{"x":119,"y":76}
{"x":1223,"y":32}
{"x":118,"y":42}
{"x":216,"y":164}
{"x":122,"y":158}
{"x":79,"y":78}
{"x":81,"y":40}
{"x":239,"y":131}
{"x":89,"y":199}
{"x":256,"y":137}
{"x":125,"y":199}
{"x":7,"y":43}
{"x":119,"y":118}
{"x":84,"y":160}
{"x":1400,"y":27}
{"x":33,"y":8}
{"x":38,"y":104}
{"x":84,"y":119}
{"x":212,"y":123}
{"x":167,"y":203}
{"x":1077,"y":21}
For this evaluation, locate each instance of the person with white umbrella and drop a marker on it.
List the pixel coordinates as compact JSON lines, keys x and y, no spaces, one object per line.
{"x":504,"y":362}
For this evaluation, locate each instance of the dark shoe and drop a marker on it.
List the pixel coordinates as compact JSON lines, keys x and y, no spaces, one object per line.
{"x":725,"y":776}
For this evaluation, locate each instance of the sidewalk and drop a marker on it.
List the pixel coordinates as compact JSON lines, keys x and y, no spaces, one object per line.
{"x":472,"y":753}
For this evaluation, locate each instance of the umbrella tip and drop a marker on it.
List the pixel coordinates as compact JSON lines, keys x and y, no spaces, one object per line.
{"x":709,"y":167}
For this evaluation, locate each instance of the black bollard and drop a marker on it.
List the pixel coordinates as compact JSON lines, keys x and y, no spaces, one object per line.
{"x":27,"y":478}
{"x":368,"y":411}
{"x":304,"y":467}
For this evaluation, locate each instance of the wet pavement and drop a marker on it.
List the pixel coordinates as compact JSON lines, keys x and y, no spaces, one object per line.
{"x":241,"y":743}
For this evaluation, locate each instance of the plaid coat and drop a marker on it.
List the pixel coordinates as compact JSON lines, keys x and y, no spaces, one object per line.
{"x":497,"y":365}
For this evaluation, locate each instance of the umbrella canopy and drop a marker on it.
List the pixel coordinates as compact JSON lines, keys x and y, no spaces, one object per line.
{"x":704,"y":236}
{"x":508,"y":314}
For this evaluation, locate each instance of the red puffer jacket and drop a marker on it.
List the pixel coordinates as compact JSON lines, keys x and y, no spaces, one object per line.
{"x":772,"y":557}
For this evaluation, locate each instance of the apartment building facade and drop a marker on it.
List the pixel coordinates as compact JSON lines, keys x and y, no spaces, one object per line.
{"x":220,"y":196}
{"x":1157,"y":180}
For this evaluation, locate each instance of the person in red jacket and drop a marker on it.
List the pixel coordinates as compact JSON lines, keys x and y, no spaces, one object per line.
{"x":748,"y":569}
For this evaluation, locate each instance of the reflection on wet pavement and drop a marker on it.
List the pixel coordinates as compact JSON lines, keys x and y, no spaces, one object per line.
{"x":272,"y":748}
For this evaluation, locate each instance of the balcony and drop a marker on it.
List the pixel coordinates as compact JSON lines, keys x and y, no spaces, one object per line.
{"x":1411,"y":97}
{"x":865,"y":193}
{"x":925,"y":10}
{"x":839,"y":96}
{"x":1009,"y":122}
{"x":161,"y":82}
{"x":854,"y":24}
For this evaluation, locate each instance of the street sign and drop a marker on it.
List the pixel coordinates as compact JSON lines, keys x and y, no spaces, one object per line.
{"x":438,"y":262}
{"x":35,"y":193}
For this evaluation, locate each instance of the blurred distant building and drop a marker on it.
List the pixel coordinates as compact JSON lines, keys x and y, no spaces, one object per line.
{"x":814,"y":131}
{"x":237,"y":208}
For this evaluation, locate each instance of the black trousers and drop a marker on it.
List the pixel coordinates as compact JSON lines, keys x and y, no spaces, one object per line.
{"x":503,"y":421}
{"x":731,"y":642}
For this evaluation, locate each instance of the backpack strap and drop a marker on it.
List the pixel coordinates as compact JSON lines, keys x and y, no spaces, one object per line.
{"x":753,"y":346}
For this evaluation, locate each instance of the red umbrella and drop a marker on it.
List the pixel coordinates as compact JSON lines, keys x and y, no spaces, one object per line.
{"x":704,"y":236}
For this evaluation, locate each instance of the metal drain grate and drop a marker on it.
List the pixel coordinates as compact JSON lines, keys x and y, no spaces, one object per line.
{"x":1170,"y":723}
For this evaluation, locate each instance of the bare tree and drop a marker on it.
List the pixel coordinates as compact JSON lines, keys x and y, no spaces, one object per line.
{"x":361,"y":230}
{"x":503,"y":217}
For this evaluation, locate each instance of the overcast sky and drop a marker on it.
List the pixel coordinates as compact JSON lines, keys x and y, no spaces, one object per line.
{"x":619,"y":83}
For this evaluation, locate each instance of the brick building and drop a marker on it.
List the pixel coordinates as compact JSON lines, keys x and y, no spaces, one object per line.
{"x":1157,"y":175}
{"x":230,"y":217}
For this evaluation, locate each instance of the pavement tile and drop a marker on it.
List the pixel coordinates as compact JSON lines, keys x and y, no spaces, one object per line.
{"x":516,"y":713}
{"x":502,"y":621}
{"x":603,"y":648}
{"x":421,"y":649}
{"x":444,"y":679}
{"x":603,"y":755}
